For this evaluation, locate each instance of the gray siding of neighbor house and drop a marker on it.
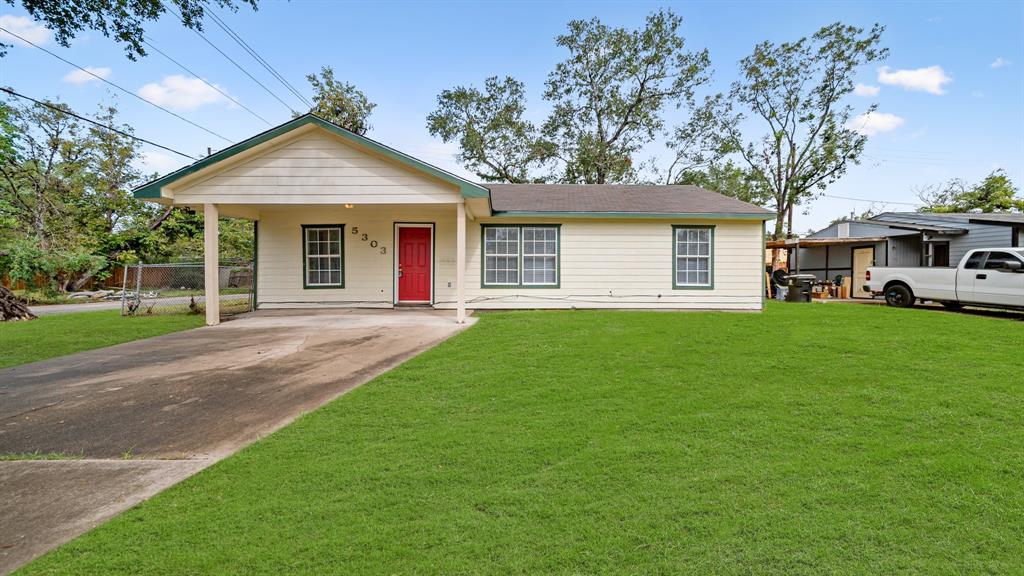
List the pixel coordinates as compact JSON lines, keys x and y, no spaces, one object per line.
{"x":905,"y":250}
{"x":856,"y":230}
{"x":840,"y":259}
{"x":980,"y":236}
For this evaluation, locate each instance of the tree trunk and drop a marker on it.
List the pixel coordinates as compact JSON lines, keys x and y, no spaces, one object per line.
{"x":12,"y":307}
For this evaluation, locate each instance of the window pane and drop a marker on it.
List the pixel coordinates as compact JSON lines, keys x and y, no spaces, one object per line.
{"x":323,"y":256}
{"x":693,"y":256}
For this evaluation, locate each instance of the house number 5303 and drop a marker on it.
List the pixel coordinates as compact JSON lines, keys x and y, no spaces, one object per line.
{"x":366,"y":238}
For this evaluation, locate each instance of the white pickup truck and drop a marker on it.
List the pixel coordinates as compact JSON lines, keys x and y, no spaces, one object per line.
{"x":988,"y":277}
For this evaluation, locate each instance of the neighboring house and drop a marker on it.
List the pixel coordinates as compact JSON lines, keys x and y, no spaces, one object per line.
{"x":342,"y":220}
{"x":899,"y":239}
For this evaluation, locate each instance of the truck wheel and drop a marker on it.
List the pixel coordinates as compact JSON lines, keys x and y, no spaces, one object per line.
{"x":899,"y":296}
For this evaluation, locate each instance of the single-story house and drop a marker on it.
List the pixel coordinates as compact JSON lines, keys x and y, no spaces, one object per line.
{"x":898,"y":239}
{"x":342,"y":220}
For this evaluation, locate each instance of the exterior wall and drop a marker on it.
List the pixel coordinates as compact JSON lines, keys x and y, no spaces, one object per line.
{"x":979,"y":236}
{"x":840,"y":259}
{"x":620,"y":263}
{"x":316,"y":167}
{"x":905,"y":250}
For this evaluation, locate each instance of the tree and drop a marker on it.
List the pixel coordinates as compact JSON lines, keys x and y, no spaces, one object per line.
{"x":729,"y":179}
{"x":609,"y":95}
{"x":340,"y":102}
{"x":124,"y":20}
{"x":996,"y":193}
{"x":607,"y":101}
{"x":495,"y":141}
{"x":795,"y":92}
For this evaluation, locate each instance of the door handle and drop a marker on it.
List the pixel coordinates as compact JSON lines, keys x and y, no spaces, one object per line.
{"x":981,"y":276}
{"x":399,"y":272}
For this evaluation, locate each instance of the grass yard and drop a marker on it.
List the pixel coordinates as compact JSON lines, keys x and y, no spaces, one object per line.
{"x":811,"y":439}
{"x":60,"y":334}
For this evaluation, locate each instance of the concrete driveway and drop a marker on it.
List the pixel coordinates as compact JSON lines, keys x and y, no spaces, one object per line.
{"x":146,"y":414}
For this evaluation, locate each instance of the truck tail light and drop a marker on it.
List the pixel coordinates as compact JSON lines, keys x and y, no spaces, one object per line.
{"x":869,"y":276}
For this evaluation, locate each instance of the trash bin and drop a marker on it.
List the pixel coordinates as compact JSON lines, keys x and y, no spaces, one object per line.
{"x":799,"y":287}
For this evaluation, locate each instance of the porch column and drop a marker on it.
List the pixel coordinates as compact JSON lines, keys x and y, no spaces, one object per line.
{"x":211,"y":275}
{"x":460,"y":263}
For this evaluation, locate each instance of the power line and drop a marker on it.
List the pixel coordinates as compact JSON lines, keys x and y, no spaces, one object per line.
{"x":91,"y":121}
{"x":122,"y":89}
{"x":874,"y":201}
{"x":236,"y":64}
{"x":214,"y":86}
{"x":262,"y":61}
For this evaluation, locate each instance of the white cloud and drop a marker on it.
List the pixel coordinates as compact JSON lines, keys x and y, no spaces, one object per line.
{"x":181,"y":93}
{"x":999,"y":63}
{"x":79,"y":77}
{"x":25,"y":27}
{"x":871,"y":123}
{"x":866,"y":90}
{"x":977,"y":94}
{"x":931,"y":79}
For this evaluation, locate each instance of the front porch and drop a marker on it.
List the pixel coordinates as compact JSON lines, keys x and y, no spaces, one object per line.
{"x":350,"y":255}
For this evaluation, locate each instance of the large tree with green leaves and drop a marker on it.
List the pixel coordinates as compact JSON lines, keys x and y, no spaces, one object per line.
{"x":608,"y":98}
{"x":996,"y":193}
{"x":609,"y":94}
{"x":793,"y":131}
{"x":495,"y":141}
{"x":730,"y":179}
{"x":340,"y":102}
{"x":121,"y":19}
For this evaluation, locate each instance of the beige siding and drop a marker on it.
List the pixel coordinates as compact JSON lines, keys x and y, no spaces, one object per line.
{"x":315,"y":168}
{"x":604,"y":263}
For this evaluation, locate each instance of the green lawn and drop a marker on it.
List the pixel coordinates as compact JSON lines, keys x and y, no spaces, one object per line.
{"x":60,"y":334}
{"x":811,"y":439}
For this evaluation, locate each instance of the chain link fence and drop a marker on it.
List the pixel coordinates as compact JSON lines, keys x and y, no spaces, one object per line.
{"x":150,"y":289}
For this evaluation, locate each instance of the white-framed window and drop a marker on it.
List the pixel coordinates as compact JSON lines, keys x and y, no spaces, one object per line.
{"x":693,"y":254}
{"x":323,"y":249}
{"x":520,"y":255}
{"x":540,"y":255}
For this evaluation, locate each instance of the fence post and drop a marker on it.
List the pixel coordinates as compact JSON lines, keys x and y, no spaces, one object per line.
{"x":138,"y":286}
{"x":124,"y":286}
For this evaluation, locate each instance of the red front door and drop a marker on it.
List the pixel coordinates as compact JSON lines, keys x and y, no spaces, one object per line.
{"x":414,"y":264}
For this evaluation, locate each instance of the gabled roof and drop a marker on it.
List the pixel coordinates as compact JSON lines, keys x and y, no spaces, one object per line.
{"x":468,"y":189}
{"x":618,"y":201}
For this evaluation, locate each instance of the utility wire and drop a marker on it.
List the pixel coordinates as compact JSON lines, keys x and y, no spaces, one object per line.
{"x":236,"y":64}
{"x":91,"y":121}
{"x":260,"y":59}
{"x":122,"y":89}
{"x":874,"y":201}
{"x":214,"y":86}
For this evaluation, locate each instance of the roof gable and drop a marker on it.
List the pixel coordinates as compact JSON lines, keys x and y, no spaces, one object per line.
{"x":153,"y":188}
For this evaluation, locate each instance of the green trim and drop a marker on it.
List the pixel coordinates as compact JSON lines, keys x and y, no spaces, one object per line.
{"x":255,"y":262}
{"x":558,"y":257}
{"x":648,"y":215}
{"x":466,"y":188}
{"x":305,"y":259}
{"x":433,"y":259}
{"x":711,"y":256}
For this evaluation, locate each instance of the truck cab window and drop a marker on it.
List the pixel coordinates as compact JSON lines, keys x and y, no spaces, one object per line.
{"x":974,"y":262}
{"x":997,"y":259}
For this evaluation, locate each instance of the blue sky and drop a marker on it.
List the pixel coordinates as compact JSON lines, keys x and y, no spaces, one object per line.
{"x":950,"y":95}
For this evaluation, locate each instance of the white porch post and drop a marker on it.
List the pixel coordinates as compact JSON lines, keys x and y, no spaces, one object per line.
{"x":460,"y":262}
{"x":211,"y":275}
